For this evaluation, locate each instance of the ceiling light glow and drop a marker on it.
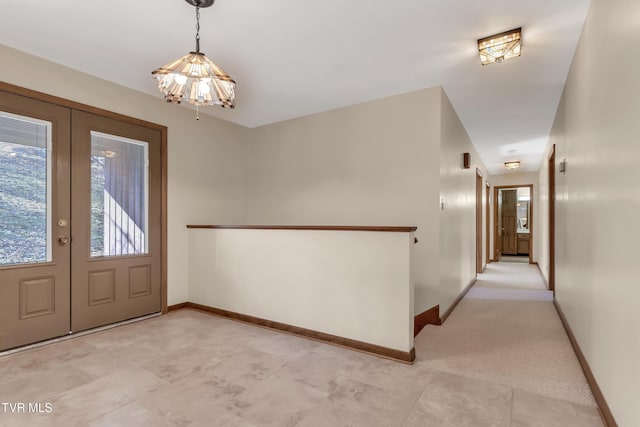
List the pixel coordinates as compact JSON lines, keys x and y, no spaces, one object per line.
{"x":500,"y":47}
{"x":512,"y":165}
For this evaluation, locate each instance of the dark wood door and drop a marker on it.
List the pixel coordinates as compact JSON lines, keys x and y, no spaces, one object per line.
{"x":552,"y":219}
{"x":509,"y":222}
{"x":499,"y":229}
{"x":478,"y":223}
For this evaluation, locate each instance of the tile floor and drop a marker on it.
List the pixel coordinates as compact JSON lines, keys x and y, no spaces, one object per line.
{"x":192,"y":369}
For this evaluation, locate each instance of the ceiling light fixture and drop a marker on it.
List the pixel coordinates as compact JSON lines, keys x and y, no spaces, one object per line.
{"x":500,"y":47}
{"x":512,"y":165}
{"x":194,"y":78}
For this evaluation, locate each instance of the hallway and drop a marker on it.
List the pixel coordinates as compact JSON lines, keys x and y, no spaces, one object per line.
{"x":506,"y":339}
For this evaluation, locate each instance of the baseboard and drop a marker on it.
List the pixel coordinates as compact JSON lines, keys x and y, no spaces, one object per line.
{"x":457,"y":301}
{"x":388,"y":353}
{"x":544,"y":279}
{"x":429,"y":317}
{"x":175,"y":307}
{"x":603,"y":407}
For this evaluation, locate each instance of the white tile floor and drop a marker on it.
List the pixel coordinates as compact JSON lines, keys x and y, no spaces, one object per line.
{"x":193,"y":369}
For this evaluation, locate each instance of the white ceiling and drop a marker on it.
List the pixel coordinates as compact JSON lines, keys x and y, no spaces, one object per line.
{"x":292,"y":58}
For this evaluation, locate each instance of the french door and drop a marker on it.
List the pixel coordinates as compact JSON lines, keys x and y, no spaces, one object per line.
{"x":35,"y":142}
{"x":80,"y":220}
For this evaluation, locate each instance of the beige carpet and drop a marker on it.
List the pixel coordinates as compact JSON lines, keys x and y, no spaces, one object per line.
{"x":506,"y":330}
{"x":515,"y":258}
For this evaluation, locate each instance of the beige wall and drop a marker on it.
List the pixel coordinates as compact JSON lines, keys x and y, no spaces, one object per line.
{"x":207,"y":158}
{"x":457,"y":222}
{"x":516,"y":179}
{"x":374,"y":163}
{"x":351,"y":284}
{"x":384,"y":162}
{"x":596,"y":130}
{"x":542,"y":219}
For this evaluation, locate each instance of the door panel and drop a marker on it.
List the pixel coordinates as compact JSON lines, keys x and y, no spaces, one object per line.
{"x":509,"y":222}
{"x":498,"y":239}
{"x":34,"y":214}
{"x":116,"y":208}
{"x":479,"y":223}
{"x":552,"y":218}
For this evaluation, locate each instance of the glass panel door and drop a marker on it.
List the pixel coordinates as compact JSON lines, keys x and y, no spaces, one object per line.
{"x":80,"y":220}
{"x":116,"y":208}
{"x":34,"y":220}
{"x":25,"y":190}
{"x":119,"y":190}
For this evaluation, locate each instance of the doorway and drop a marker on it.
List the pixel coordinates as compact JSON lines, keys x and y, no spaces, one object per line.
{"x":513,"y":222}
{"x":479,"y":265}
{"x":552,"y":218}
{"x":81,"y":219}
{"x":488,"y":222}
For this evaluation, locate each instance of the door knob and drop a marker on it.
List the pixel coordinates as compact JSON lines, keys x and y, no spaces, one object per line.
{"x":63,"y":240}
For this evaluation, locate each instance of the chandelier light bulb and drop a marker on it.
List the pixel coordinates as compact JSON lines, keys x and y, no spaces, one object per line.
{"x":180,"y":79}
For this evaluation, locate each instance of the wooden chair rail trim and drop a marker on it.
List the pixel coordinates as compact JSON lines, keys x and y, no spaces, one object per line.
{"x":309,"y":227}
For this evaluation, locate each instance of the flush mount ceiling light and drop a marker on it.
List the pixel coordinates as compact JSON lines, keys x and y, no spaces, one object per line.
{"x":194,"y":78}
{"x":512,"y":165}
{"x":500,"y":47}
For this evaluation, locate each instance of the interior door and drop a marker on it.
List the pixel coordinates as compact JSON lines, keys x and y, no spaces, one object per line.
{"x":478,"y":222}
{"x":552,"y":218}
{"x":509,"y":222}
{"x":116,"y":208}
{"x":498,"y":240}
{"x":34,"y":220}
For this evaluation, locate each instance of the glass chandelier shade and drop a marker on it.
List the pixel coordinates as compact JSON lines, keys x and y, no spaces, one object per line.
{"x":500,"y":47}
{"x":512,"y":165}
{"x":194,"y":78}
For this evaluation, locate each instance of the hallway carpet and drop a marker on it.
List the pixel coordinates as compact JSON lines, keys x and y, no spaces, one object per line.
{"x":507,"y":331}
{"x":493,"y":363}
{"x":515,"y":258}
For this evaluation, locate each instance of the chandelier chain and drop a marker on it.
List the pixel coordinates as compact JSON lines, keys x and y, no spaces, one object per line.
{"x":197,"y":26}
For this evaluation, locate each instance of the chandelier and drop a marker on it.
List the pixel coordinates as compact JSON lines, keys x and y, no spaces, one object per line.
{"x":194,"y":78}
